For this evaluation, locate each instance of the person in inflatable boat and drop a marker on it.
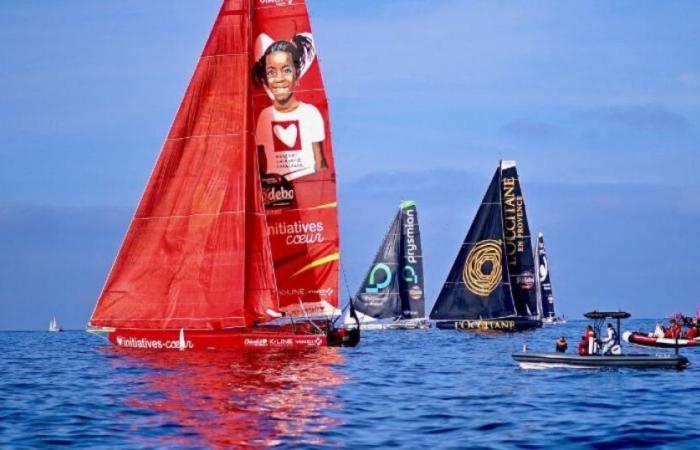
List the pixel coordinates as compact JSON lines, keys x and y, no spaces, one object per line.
{"x":659,"y":331}
{"x":591,"y":340}
{"x":561,"y":345}
{"x":583,"y":346}
{"x":674,"y":331}
{"x":609,"y":340}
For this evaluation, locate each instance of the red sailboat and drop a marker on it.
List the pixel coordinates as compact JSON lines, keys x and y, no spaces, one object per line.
{"x":234,"y":243}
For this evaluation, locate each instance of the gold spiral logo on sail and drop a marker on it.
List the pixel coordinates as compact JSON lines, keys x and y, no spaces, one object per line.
{"x":477,"y":275}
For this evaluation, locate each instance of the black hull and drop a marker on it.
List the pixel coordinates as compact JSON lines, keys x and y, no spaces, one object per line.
{"x":543,"y":360}
{"x":512,"y":324}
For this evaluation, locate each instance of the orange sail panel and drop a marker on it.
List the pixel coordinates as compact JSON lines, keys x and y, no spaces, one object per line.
{"x":197,"y":253}
{"x":293,"y":138}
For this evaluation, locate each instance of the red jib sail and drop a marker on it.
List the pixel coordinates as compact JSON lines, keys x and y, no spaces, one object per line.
{"x":297,"y":168}
{"x":197,"y":253}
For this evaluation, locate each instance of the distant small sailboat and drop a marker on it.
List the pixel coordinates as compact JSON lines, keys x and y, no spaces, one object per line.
{"x":392,"y":294}
{"x":54,"y":327}
{"x":491,"y":283}
{"x":545,"y":298}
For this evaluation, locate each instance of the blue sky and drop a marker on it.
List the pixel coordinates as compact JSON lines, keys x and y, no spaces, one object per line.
{"x":599,"y":102}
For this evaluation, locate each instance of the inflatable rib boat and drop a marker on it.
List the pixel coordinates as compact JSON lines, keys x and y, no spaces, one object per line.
{"x":543,"y":360}
{"x":644,"y":340}
{"x":536,"y":360}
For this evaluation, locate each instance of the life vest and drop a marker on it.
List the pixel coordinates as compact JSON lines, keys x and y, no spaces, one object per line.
{"x":583,"y":348}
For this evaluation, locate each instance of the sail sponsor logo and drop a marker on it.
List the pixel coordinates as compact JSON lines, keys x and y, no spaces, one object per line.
{"x":378,"y":300}
{"x":409,"y":230}
{"x":544,"y":268}
{"x":513,"y":220}
{"x":526,"y":280}
{"x":292,"y":292}
{"x":275,"y":2}
{"x":277,"y":191}
{"x":379,"y":278}
{"x":323,"y":293}
{"x":298,"y":232}
{"x":410,"y":275}
{"x":483,"y":269}
{"x":415,"y":293}
{"x":285,"y":135}
{"x":485,"y":325}
{"x":151,"y":344}
{"x":316,"y":308}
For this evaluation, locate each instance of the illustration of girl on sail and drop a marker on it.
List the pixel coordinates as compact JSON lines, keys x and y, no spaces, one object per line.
{"x":289,"y":134}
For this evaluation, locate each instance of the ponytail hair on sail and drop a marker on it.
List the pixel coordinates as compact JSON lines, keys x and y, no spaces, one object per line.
{"x":301,"y":49}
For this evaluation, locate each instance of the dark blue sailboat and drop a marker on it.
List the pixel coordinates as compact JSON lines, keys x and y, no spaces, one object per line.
{"x":491,"y":285}
{"x":545,"y":297}
{"x":392,"y":293}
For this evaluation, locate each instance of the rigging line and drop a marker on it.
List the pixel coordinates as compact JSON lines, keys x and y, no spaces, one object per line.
{"x":347,"y":290}
{"x":306,"y":316}
{"x":345,"y":279}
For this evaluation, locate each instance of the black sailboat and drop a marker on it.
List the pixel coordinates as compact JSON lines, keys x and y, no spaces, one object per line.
{"x":491,"y":285}
{"x":392,"y":293}
{"x":545,"y":298}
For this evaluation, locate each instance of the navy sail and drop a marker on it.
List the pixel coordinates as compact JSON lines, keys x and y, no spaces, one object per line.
{"x":492,"y":277}
{"x":411,"y":287}
{"x":393,"y":286}
{"x":478,"y":285}
{"x":544,"y":291}
{"x":378,"y":296}
{"x":516,"y":232}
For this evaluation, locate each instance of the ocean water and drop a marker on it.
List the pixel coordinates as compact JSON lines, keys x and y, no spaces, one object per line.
{"x":409,"y":389}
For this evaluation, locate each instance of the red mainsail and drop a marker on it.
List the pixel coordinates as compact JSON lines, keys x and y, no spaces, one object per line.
{"x":297,"y":167}
{"x":197,"y":253}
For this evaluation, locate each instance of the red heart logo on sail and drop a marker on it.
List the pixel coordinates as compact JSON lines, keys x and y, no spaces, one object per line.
{"x":288,"y":134}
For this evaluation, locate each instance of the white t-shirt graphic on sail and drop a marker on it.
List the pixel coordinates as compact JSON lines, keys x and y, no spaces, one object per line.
{"x":288,"y":137}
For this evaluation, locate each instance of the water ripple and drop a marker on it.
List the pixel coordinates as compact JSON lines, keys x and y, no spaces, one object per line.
{"x":413,"y":389}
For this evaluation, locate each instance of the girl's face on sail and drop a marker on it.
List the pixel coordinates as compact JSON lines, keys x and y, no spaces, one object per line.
{"x":281,"y":76}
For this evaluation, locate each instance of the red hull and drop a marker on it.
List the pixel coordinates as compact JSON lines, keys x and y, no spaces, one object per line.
{"x":277,"y":338}
{"x":646,"y":341}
